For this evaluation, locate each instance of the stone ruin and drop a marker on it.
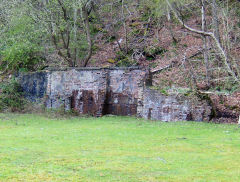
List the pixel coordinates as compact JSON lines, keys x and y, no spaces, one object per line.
{"x":102,"y":91}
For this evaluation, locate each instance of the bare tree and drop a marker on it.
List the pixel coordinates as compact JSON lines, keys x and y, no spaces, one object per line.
{"x":223,"y":53}
{"x":88,"y":34}
{"x":66,"y":22}
{"x":215,"y":20}
{"x":205,"y":39}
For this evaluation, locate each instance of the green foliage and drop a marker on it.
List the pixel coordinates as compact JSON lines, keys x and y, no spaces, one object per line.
{"x":20,"y":56}
{"x":164,"y":92}
{"x":152,"y":51}
{"x":11,"y":97}
{"x":124,"y":60}
{"x":20,"y":44}
{"x":158,"y":8}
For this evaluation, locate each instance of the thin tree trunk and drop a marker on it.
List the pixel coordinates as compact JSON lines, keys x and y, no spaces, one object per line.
{"x":215,"y":20}
{"x":125,"y":28}
{"x":205,"y":48}
{"x":215,"y":23}
{"x":89,"y":40}
{"x":75,"y":36}
{"x":114,"y":31}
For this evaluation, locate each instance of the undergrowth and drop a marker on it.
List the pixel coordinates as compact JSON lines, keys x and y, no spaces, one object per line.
{"x":11,"y":98}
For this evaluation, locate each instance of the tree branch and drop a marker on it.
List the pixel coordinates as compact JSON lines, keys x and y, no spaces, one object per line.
{"x":89,"y":40}
{"x":212,"y":35}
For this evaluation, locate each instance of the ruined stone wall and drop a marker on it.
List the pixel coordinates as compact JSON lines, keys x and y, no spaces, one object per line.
{"x":83,"y":90}
{"x":117,"y":91}
{"x":157,"y":106}
{"x":34,"y":85}
{"x":92,"y":91}
{"x":124,"y":91}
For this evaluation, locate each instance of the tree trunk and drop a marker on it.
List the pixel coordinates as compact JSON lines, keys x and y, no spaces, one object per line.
{"x":88,"y":34}
{"x":215,"y":20}
{"x":205,"y":48}
{"x":215,"y":23}
{"x":125,"y":28}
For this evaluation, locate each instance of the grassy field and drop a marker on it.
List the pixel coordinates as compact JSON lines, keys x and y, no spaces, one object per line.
{"x":36,"y":148}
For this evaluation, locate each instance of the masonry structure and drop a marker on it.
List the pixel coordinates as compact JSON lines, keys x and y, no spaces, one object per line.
{"x":117,"y":91}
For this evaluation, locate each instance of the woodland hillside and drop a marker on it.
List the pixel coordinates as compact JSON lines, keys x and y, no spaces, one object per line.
{"x":190,"y":46}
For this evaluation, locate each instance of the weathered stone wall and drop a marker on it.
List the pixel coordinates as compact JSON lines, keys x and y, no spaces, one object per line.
{"x":123,"y":91}
{"x":83,"y":90}
{"x":157,"y":106}
{"x":118,"y":91}
{"x":93,"y":91}
{"x":34,"y":85}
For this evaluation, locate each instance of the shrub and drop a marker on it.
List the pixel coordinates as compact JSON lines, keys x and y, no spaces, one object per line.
{"x":21,"y":55}
{"x":11,"y":97}
{"x":21,"y":45}
{"x":123,"y":60}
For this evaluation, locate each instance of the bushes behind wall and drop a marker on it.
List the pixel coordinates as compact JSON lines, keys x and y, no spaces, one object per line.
{"x":11,"y":97}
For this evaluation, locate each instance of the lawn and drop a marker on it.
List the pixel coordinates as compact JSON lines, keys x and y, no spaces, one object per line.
{"x":37,"y":148}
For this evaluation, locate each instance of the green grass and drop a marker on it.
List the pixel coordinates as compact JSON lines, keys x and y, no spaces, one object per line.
{"x":36,"y":148}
